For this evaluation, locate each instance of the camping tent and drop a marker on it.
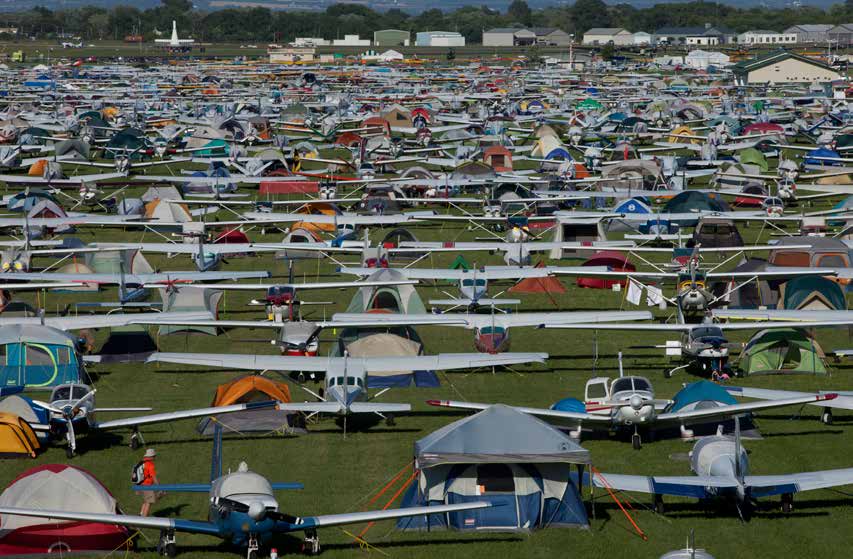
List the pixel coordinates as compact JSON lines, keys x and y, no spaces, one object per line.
{"x":548,"y":284}
{"x":251,"y":388}
{"x":394,"y":298}
{"x":812,"y":293}
{"x":500,"y":455}
{"x":189,"y":300}
{"x":784,"y":350}
{"x":614,"y":259}
{"x":38,"y":357}
{"x":17,"y":438}
{"x":59,"y":487}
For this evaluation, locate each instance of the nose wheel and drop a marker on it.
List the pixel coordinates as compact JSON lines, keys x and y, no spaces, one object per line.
{"x":311,"y":543}
{"x":636,"y":441}
{"x":167,"y":546}
{"x":252,"y":549}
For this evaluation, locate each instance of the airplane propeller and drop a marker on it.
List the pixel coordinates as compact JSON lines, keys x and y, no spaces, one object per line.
{"x":68,"y":414}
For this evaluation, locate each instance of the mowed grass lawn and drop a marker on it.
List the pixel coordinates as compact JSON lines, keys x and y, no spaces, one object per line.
{"x":341,"y":474}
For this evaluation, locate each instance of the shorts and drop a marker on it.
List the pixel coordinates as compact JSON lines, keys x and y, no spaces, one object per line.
{"x":148,"y":497}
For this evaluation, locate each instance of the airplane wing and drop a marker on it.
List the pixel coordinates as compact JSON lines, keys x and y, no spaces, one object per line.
{"x":843,"y":401}
{"x":77,"y":180}
{"x":699,"y":487}
{"x":775,"y":273}
{"x":297,"y":286}
{"x":185,"y":414}
{"x":765,"y":486}
{"x":720,"y":412}
{"x":103,"y":320}
{"x":309,"y":522}
{"x":553,"y":416}
{"x":176,"y":524}
{"x":140,"y":279}
{"x":333,"y":219}
{"x":505,"y":320}
{"x":458,"y":274}
{"x":444,"y":361}
{"x":805,"y":316}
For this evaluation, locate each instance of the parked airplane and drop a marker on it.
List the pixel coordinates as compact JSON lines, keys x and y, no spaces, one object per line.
{"x":347,"y":379}
{"x":629,"y":402}
{"x":243,"y":511}
{"x":174,"y":41}
{"x":721,"y":468}
{"x":72,"y":411}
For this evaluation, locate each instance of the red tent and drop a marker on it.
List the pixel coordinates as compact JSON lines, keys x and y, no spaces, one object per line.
{"x":615,"y":260}
{"x":58,"y":487}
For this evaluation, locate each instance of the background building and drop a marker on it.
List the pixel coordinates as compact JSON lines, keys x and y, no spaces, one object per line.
{"x":696,"y":36}
{"x":765,"y":37}
{"x":439,"y":39}
{"x":351,"y":41}
{"x":392,"y":38}
{"x":605,"y":35}
{"x":810,"y":33}
{"x":783,"y":67}
{"x":841,"y":34}
{"x":520,"y":36}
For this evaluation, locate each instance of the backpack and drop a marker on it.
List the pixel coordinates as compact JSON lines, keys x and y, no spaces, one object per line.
{"x":137,"y":474}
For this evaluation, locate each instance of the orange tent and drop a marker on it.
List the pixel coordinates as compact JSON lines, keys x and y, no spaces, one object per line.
{"x":548,"y":284}
{"x":251,"y":388}
{"x":37,"y":168}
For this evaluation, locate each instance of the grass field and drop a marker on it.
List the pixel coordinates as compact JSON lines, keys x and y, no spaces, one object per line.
{"x":340,"y":474}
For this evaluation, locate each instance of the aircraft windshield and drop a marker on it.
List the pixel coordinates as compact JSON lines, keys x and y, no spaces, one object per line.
{"x":707,"y":332}
{"x":631,"y":384}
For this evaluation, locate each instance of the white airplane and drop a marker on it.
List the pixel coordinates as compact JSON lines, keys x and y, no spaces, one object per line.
{"x":491,"y":331}
{"x":174,"y":41}
{"x":72,"y":410}
{"x":721,"y":469}
{"x":347,"y":379}
{"x":629,"y":402}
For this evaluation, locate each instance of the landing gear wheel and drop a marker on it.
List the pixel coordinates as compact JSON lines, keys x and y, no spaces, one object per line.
{"x":659,"y":508}
{"x":787,"y":503}
{"x":826,"y":417}
{"x":252,"y":555}
{"x":311,"y":543}
{"x":636,"y":441}
{"x":170,"y":550}
{"x":69,"y":452}
{"x":667,"y":373}
{"x":390,"y":421}
{"x":134,"y":442}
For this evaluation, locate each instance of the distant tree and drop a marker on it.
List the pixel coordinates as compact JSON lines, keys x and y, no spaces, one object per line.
{"x":607,"y":51}
{"x":590,"y":13}
{"x":520,"y":12}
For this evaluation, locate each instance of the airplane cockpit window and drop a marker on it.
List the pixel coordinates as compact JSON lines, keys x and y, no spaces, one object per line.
{"x":62,"y":393}
{"x":622,"y":385}
{"x":596,"y":391}
{"x":642,"y":384}
{"x":707,"y":332}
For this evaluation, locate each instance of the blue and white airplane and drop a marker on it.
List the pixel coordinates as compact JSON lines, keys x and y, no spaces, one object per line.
{"x":243,"y":511}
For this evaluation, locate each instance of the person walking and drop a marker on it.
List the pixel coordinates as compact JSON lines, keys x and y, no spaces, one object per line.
{"x":149,"y":477}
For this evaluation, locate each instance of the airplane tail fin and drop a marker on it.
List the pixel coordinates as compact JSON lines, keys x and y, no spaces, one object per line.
{"x":216,"y":458}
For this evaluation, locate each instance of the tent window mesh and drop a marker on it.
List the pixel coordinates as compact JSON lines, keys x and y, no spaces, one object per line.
{"x":495,"y":478}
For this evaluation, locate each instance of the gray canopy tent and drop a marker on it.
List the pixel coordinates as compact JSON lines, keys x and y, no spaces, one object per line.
{"x":513,"y":460}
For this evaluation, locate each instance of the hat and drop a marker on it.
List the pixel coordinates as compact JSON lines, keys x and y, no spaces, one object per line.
{"x":150,"y":453}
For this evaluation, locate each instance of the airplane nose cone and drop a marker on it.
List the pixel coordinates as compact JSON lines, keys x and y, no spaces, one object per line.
{"x":257,"y":510}
{"x":636,"y":402}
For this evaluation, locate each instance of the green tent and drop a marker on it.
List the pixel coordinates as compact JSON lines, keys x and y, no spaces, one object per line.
{"x":785,"y":350}
{"x":813,"y":293}
{"x":589,"y":104}
{"x":460,"y":262}
{"x":754,"y":157}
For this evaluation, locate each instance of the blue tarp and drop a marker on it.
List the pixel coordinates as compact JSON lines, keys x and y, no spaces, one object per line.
{"x":821,"y":152}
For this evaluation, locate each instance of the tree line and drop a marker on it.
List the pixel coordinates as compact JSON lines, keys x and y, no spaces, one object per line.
{"x":259,"y":24}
